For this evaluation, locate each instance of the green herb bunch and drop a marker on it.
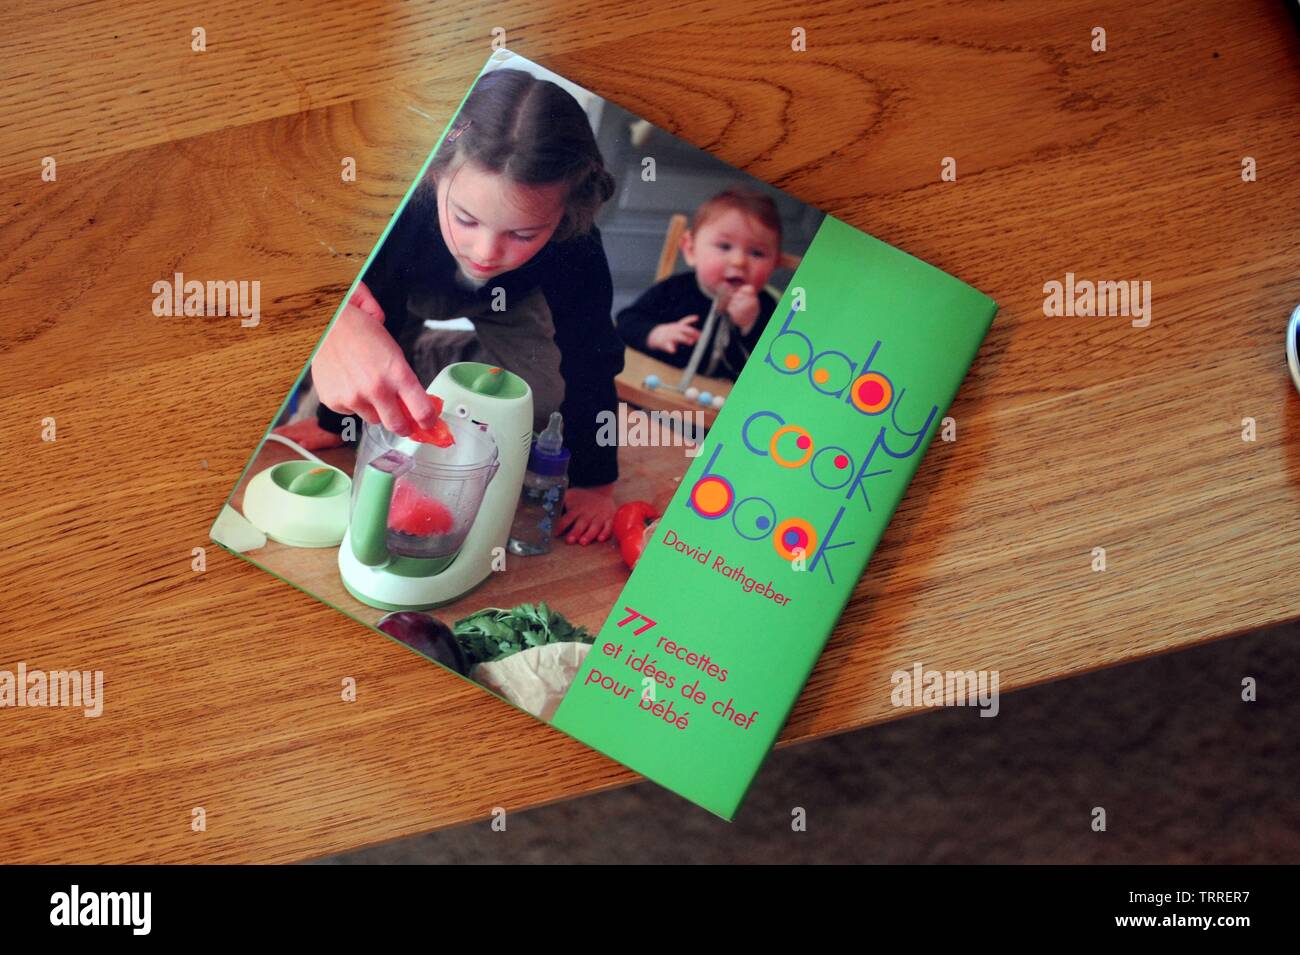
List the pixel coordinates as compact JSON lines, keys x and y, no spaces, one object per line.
{"x":493,"y":633}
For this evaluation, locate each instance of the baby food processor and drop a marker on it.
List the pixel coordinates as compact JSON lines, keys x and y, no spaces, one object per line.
{"x":428,"y":519}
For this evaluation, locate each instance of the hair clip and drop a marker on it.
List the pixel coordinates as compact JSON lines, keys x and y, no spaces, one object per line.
{"x":457,"y":130}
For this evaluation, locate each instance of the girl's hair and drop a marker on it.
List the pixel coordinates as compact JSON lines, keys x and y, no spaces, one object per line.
{"x":743,"y":199}
{"x":534,"y":132}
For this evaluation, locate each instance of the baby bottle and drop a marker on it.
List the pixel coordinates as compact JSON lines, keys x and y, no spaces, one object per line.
{"x":541,"y":501}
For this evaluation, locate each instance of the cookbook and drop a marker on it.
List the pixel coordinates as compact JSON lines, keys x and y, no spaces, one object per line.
{"x":609,"y":428}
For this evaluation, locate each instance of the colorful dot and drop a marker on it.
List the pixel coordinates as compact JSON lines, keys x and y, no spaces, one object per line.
{"x":803,"y":440}
{"x":870,"y":392}
{"x":794,"y":534}
{"x":821,"y":376}
{"x":712,"y":497}
{"x":792,"y":361}
{"x":761,"y":523}
{"x":841,"y":461}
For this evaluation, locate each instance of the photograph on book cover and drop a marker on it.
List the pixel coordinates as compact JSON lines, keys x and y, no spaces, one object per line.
{"x":545,"y":346}
{"x":578,"y":316}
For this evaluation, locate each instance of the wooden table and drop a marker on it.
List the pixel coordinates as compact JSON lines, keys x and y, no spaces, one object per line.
{"x":223,"y":686}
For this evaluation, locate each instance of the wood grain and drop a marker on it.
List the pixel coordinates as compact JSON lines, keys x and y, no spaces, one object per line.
{"x":223,"y":687}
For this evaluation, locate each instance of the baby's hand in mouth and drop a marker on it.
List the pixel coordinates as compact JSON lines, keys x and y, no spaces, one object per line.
{"x":742,"y":307}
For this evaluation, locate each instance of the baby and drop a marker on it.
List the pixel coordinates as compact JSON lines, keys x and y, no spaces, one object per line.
{"x":732,"y":246}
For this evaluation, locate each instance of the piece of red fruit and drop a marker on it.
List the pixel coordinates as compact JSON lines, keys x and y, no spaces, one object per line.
{"x":632,"y":517}
{"x":415,"y":513}
{"x":438,"y":435}
{"x":632,"y":546}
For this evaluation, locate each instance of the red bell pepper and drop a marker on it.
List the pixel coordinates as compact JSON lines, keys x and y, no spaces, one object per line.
{"x":630,"y":528}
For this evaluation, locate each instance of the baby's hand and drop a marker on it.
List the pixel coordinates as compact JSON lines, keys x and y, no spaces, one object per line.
{"x":743,"y":308}
{"x":669,"y":335}
{"x":588,"y":514}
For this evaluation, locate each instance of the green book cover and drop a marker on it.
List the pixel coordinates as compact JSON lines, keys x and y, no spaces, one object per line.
{"x":757,"y":554}
{"x":607,"y":427}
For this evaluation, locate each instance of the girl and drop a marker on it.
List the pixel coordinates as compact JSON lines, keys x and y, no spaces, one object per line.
{"x":501,"y":233}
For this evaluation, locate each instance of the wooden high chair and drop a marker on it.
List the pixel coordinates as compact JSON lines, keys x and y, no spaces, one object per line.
{"x":630,"y":383}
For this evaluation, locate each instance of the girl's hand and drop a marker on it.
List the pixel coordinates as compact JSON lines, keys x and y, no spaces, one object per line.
{"x":365,"y":300}
{"x":309,"y":435}
{"x":361,"y":370}
{"x":743,"y":308}
{"x":669,"y":335}
{"x":588,"y":514}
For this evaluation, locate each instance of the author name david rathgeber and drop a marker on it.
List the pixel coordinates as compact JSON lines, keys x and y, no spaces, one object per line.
{"x":719,"y":564}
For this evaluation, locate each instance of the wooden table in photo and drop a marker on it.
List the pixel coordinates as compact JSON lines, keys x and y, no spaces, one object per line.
{"x":222,"y":683}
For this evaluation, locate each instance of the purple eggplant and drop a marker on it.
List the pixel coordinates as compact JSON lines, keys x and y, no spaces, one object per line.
{"x":427,"y":635}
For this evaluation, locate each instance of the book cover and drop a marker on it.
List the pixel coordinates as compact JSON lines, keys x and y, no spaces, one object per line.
{"x":609,"y":428}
